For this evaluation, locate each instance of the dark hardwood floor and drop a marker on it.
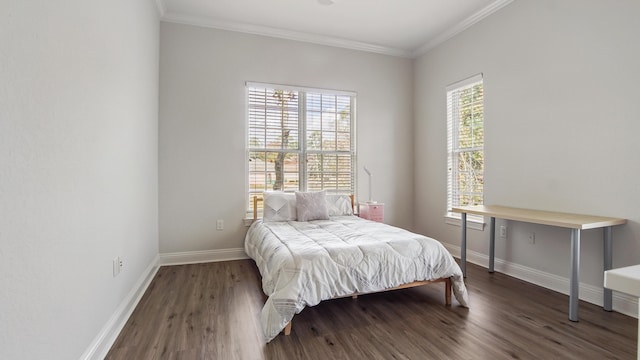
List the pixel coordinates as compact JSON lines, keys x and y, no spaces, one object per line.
{"x":212,"y":311}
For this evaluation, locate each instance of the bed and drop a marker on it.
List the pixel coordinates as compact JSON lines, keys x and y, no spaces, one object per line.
{"x":309,"y":247}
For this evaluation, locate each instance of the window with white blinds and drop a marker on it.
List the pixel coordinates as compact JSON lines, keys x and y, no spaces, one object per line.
{"x":299,"y":139}
{"x":465,"y":139}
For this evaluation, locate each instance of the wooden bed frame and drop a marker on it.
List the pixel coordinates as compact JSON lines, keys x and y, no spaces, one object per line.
{"x":447,"y":281}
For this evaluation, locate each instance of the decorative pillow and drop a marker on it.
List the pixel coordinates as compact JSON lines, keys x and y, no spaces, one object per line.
{"x":311,"y":206}
{"x":279,"y":206}
{"x":339,"y":205}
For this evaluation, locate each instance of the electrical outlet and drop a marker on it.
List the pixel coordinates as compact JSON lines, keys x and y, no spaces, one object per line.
{"x":220,"y":224}
{"x":116,"y":266}
{"x":503,"y":231}
{"x":532,"y":237}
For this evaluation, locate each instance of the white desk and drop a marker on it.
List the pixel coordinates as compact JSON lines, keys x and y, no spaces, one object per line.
{"x":626,"y":280}
{"x":575,"y":222}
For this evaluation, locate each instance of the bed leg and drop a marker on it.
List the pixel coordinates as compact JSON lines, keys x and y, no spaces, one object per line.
{"x":447,"y":292}
{"x":354,"y":296}
{"x":287,"y":329}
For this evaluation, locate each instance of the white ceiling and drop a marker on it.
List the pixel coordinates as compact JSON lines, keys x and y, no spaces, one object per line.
{"x":394,"y":27}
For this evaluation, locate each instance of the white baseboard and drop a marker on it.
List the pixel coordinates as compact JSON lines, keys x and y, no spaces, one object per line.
{"x":99,"y":348}
{"x":622,"y":303}
{"x":101,"y":345}
{"x":194,"y":257}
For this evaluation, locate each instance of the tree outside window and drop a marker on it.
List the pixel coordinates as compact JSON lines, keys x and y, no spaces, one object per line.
{"x":299,"y":139}
{"x":465,"y":132}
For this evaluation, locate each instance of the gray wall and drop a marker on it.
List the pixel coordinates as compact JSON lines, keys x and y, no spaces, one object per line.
{"x":202,"y":125}
{"x":79,"y":143}
{"x":561,"y":125}
{"x":78,"y":168}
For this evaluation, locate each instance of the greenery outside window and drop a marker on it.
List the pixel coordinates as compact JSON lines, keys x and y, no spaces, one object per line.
{"x":465,"y":143}
{"x":299,"y":139}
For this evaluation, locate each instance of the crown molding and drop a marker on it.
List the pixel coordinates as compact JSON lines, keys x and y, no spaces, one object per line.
{"x":460,"y":27}
{"x":283,"y":34}
{"x":162,"y":7}
{"x":329,"y":40}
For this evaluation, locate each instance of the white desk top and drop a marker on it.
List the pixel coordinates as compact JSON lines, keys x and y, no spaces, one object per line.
{"x":566,"y":220}
{"x":626,"y":280}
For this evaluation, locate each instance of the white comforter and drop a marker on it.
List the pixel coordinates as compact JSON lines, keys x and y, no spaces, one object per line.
{"x":303,"y":263}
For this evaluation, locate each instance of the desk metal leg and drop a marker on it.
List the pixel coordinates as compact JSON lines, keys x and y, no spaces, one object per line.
{"x":608,"y":264}
{"x":463,"y":245}
{"x":492,"y":243}
{"x":574,"y":290}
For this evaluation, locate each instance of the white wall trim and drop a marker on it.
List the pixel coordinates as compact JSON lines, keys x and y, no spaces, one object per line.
{"x":461,"y":26}
{"x":622,"y":303}
{"x":194,"y":257}
{"x":101,"y":345}
{"x":283,"y":34}
{"x":173,"y":17}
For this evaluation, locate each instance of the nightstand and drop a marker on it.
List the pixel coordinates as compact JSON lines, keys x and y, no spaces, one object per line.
{"x":371,"y":211}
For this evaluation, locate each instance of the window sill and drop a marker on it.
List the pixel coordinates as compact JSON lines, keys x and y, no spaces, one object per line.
{"x":473,"y":222}
{"x":248,"y":221}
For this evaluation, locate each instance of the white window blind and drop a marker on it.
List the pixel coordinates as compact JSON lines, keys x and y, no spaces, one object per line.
{"x":299,"y":139}
{"x":465,"y":140}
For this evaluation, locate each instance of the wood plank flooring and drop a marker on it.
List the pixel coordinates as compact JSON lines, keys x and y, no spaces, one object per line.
{"x":212,"y":311}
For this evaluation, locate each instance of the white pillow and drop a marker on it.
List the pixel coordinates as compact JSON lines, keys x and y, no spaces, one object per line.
{"x":311,"y":206}
{"x":279,"y":206}
{"x":339,"y":205}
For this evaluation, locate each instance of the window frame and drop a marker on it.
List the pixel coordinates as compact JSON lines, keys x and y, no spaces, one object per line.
{"x":453,"y":121}
{"x":302,"y":151}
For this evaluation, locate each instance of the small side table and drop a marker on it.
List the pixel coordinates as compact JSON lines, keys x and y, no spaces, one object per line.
{"x":371,"y":211}
{"x":626,"y":280}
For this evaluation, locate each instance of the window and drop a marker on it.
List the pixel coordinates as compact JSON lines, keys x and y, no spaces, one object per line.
{"x":465,"y":140}
{"x":299,"y":139}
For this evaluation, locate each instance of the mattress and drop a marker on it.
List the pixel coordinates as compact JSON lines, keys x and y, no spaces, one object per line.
{"x":303,"y":263}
